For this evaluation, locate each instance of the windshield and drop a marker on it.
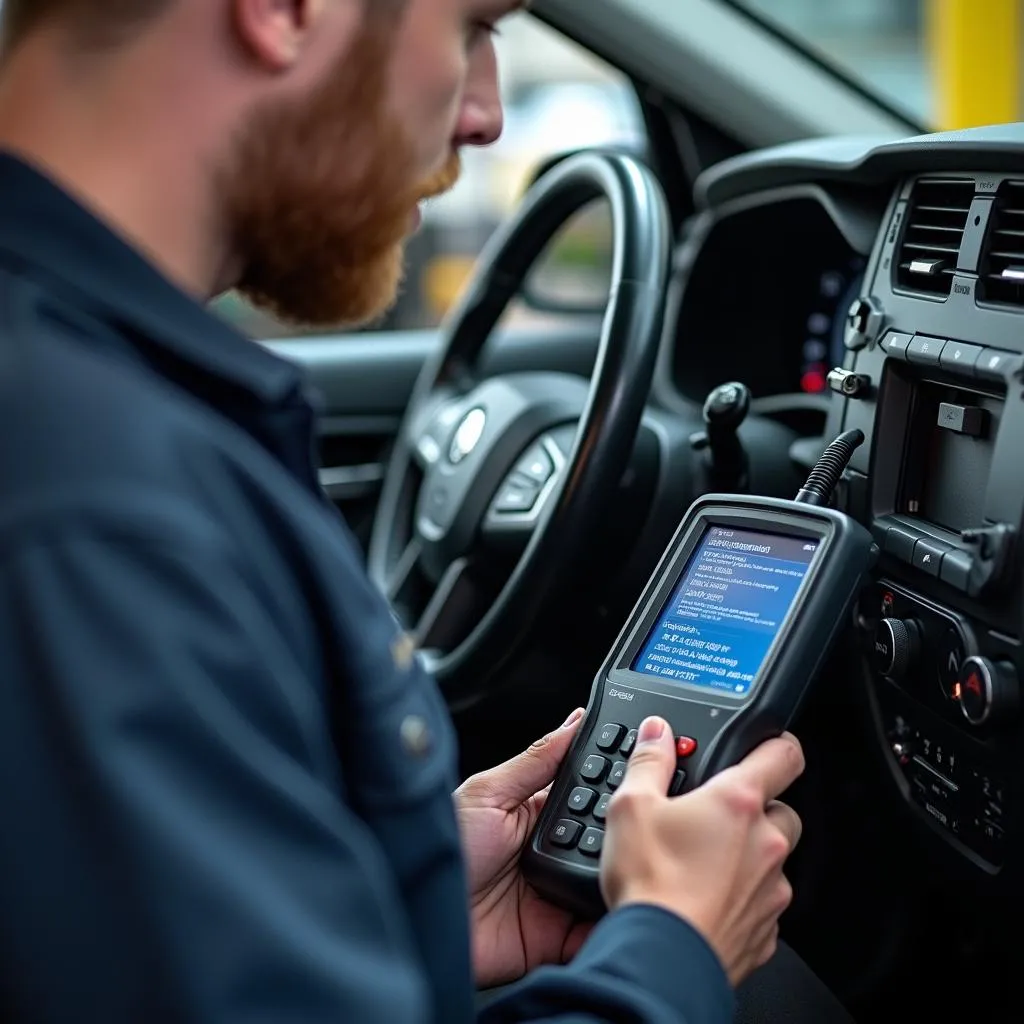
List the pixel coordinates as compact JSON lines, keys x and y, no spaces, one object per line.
{"x":879,"y":43}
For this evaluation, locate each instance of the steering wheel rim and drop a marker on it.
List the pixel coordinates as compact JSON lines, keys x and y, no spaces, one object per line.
{"x":610,"y":416}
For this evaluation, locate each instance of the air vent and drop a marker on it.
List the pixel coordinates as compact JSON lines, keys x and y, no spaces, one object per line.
{"x":1002,"y":258}
{"x":932,"y":233}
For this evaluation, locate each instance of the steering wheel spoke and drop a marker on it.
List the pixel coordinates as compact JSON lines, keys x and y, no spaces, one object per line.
{"x":455,"y":607}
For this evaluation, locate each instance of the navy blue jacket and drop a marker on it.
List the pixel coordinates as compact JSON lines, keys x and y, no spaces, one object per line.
{"x":208,"y":813}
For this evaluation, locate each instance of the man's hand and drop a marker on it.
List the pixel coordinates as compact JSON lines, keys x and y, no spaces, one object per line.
{"x":714,"y":856}
{"x":514,"y":930}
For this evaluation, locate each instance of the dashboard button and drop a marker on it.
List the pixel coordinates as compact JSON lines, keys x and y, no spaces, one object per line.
{"x":928,"y":555}
{"x":895,"y":345}
{"x":959,"y":358}
{"x":956,"y":569}
{"x":992,"y":364}
{"x":900,"y":542}
{"x":952,"y":654}
{"x":962,"y":419}
{"x":927,"y":351}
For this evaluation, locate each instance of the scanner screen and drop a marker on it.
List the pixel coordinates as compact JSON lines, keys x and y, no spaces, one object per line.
{"x":729,"y":604}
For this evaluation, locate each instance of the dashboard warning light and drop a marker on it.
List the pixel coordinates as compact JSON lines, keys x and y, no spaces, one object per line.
{"x":813,"y":382}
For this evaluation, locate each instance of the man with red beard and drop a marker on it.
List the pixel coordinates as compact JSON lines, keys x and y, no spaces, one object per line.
{"x":209,"y":812}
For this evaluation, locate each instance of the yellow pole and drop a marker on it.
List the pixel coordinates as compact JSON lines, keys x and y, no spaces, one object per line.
{"x":975,"y":61}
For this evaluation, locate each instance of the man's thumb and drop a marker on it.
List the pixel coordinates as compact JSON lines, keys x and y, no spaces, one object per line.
{"x":653,"y":759}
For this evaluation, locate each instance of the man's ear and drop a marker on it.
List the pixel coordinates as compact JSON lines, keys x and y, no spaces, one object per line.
{"x":274,"y":32}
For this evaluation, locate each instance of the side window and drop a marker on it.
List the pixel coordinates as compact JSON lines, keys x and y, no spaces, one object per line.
{"x":558,"y":97}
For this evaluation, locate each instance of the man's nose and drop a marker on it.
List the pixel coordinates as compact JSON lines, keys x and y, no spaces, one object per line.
{"x":482,"y":117}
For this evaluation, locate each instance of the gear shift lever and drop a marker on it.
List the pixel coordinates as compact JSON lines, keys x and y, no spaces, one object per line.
{"x":725,"y":460}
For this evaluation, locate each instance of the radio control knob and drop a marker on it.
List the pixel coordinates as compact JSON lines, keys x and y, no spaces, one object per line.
{"x":989,"y":691}
{"x":895,"y":647}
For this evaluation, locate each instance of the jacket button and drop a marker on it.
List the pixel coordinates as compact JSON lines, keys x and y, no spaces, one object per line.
{"x":416,"y":737}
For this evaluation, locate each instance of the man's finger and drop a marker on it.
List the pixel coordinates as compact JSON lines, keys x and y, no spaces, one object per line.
{"x":786,"y":820}
{"x":653,"y":759}
{"x":773,"y":766}
{"x":516,"y":780}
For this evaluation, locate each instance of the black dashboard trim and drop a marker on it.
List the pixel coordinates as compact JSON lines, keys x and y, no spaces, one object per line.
{"x":863,"y":160}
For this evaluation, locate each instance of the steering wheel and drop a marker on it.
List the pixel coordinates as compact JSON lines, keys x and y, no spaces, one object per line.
{"x":524,"y":464}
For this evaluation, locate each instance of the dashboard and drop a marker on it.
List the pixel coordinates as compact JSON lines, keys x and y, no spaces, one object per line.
{"x":887,"y":278}
{"x":783,"y":318}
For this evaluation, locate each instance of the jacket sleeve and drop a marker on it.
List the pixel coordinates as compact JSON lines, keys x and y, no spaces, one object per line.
{"x":175,"y":847}
{"x":640,"y":965}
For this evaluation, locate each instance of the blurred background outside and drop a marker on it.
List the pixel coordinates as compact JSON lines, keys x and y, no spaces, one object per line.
{"x":558,"y":98}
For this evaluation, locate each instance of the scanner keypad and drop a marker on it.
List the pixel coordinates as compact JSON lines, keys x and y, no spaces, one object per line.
{"x":600,"y":777}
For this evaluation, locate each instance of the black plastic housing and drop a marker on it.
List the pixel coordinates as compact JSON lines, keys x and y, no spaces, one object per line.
{"x":725,"y":728}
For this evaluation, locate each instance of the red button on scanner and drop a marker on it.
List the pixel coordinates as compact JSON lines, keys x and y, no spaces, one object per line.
{"x":685,"y":746}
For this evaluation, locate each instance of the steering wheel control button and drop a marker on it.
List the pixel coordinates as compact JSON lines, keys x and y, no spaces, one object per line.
{"x":467,"y":435}
{"x":516,"y":496}
{"x":591,"y":842}
{"x":926,"y":351}
{"x":959,"y":358}
{"x":581,"y":800}
{"x":928,"y":555}
{"x":601,"y":810}
{"x":686,"y":746}
{"x":536,"y":465}
{"x":565,"y":833}
{"x":617,"y":774}
{"x":677,"y":783}
{"x":895,"y":648}
{"x":895,"y":345}
{"x":428,"y":448}
{"x":989,"y":691}
{"x":628,"y":743}
{"x":594,"y":769}
{"x":609,"y":736}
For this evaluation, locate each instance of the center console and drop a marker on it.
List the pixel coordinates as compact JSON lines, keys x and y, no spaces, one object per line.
{"x":933,"y":377}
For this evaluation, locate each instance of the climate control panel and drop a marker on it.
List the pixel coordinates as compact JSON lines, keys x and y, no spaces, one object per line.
{"x":948,"y":698}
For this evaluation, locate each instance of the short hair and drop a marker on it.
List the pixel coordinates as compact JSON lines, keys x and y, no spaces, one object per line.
{"x":96,"y":22}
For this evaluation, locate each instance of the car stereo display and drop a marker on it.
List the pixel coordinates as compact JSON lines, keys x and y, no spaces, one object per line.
{"x":727,"y":608}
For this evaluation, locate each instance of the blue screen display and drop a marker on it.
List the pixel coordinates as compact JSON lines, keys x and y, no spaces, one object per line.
{"x":726,"y":609}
